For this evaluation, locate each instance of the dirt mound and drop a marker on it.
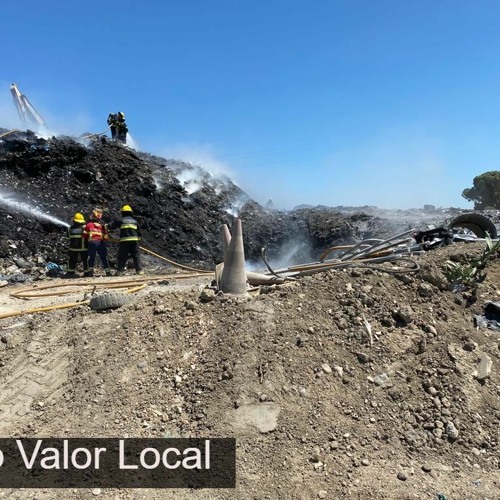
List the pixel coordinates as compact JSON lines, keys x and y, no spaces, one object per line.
{"x":320,"y":407}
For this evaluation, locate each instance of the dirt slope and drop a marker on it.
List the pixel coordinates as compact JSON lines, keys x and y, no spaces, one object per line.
{"x":399,"y":417}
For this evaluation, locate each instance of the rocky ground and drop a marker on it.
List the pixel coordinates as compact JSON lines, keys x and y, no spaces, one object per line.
{"x":321,"y":405}
{"x":318,"y":409}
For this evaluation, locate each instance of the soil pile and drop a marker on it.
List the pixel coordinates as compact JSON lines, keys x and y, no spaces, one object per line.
{"x":320,"y":407}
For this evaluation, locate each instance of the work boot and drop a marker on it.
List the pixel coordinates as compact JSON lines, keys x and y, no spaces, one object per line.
{"x":140,"y":273}
{"x":88,"y":274}
{"x":119,"y":273}
{"x":69,"y":274}
{"x":108,"y":274}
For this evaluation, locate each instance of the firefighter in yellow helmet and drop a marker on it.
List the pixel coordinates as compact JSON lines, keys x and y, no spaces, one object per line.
{"x":77,"y":245}
{"x":130,"y":235}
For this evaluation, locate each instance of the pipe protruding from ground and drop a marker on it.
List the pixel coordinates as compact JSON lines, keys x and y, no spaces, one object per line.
{"x":234,"y":279}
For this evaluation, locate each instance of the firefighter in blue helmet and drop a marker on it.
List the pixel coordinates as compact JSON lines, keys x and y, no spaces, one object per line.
{"x":130,"y":235}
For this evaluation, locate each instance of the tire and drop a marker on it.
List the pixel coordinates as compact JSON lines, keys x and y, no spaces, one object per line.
{"x":109,"y":301}
{"x":477,"y":223}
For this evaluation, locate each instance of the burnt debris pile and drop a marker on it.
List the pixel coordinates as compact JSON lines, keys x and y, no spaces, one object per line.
{"x":43,"y":182}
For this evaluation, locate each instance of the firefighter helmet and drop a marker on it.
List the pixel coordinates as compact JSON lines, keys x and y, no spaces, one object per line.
{"x":79,"y":218}
{"x":97,"y":214}
{"x":121,"y":114}
{"x":127,"y":208}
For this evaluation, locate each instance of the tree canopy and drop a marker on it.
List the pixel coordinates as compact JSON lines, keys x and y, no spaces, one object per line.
{"x":485,"y":191}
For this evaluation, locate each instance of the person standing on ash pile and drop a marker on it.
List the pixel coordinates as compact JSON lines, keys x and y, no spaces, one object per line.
{"x":130,"y":235}
{"x":119,"y":129}
{"x":96,"y":234}
{"x":77,"y":246}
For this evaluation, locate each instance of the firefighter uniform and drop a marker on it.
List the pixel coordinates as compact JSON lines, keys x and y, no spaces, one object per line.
{"x":96,"y":234}
{"x":77,"y":245}
{"x":130,"y":235}
{"x":119,"y":129}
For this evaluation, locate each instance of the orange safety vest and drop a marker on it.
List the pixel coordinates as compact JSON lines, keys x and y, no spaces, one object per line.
{"x":95,"y":231}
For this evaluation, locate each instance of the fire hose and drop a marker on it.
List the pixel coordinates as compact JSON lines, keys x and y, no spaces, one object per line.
{"x":9,"y":132}
{"x":130,"y":286}
{"x":94,"y":135}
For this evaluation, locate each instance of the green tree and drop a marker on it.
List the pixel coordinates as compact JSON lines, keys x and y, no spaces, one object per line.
{"x":485,"y":191}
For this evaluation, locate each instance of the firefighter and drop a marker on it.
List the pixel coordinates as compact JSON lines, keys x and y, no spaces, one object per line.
{"x":96,"y":235}
{"x":77,"y":246}
{"x":113,"y":124}
{"x":119,"y":129}
{"x":122,"y":129}
{"x":130,"y":235}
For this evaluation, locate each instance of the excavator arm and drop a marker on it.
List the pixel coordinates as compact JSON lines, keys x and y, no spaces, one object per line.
{"x":27,"y":113}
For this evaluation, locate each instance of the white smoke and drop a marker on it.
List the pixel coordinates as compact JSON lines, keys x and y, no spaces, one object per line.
{"x":190,"y":180}
{"x":236,"y":205}
{"x":291,"y":253}
{"x":205,"y":167}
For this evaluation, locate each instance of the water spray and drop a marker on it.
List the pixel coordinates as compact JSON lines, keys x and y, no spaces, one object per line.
{"x":21,"y":206}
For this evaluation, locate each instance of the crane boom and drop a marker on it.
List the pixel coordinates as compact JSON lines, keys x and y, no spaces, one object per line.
{"x":27,"y":112}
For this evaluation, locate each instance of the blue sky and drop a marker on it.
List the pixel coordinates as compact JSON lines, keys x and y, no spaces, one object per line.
{"x":393,"y":103}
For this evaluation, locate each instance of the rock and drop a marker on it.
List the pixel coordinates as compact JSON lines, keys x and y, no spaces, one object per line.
{"x":3,"y":283}
{"x":263,"y":398}
{"x":177,"y":379}
{"x":469,"y":346}
{"x":316,"y":456}
{"x":402,"y":476}
{"x":424,"y":290}
{"x":404,"y":314}
{"x":190,"y":305}
{"x":421,"y":346}
{"x":326,"y":368}
{"x":322,"y":494}
{"x":339,"y":370}
{"x":381,"y":379}
{"x":96,"y":491}
{"x":451,"y":430}
{"x":363,"y":358}
{"x":365,"y":462}
{"x":484,"y":367}
{"x":263,"y":416}
{"x":426,"y":468}
{"x":302,"y":340}
{"x":334,"y":445}
{"x":432,"y":330}
{"x":207,"y":295}
{"x":303,"y":392}
{"x":310,"y":329}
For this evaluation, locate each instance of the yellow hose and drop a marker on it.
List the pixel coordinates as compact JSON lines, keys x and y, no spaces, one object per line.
{"x":175,"y":264}
{"x":132,"y":285}
{"x":42,"y":309}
